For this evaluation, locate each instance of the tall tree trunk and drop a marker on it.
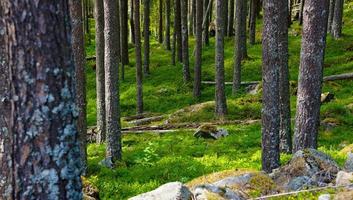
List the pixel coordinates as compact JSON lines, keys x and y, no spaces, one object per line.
{"x":132,"y":24}
{"x":167,"y":26}
{"x":185,"y":40}
{"x":174,"y":48}
{"x":139,"y":90}
{"x":78,"y":48}
{"x":210,"y":15}
{"x":146,"y":35}
{"x":301,"y":11}
{"x":220,"y":96}
{"x":205,"y":35}
{"x":290,"y":2}
{"x":177,"y":29}
{"x":284,"y":93}
{"x":99,"y":18}
{"x":226,"y":16}
{"x":198,"y":50}
{"x":244,"y":11}
{"x":252,"y":22}
{"x":111,"y":21}
{"x":231,"y":19}
{"x":337,"y":19}
{"x":273,"y":42}
{"x":238,"y":45}
{"x":160,"y":29}
{"x":118,"y":27}
{"x":124,"y":35}
{"x":191,"y":17}
{"x":331,"y":14}
{"x":45,"y":161}
{"x":194,"y":17}
{"x":310,"y":74}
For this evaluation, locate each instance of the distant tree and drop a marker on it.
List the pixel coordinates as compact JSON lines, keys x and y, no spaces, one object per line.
{"x":243,"y":40}
{"x":206,"y":11}
{"x":139,"y":89}
{"x":99,"y":18}
{"x":177,"y":29}
{"x":301,"y":11}
{"x":44,"y":160}
{"x":310,"y":74}
{"x":124,"y":34}
{"x":330,"y":16}
{"x":160,"y":28}
{"x":185,"y":40}
{"x":252,"y":21}
{"x":167,"y":26}
{"x":132,"y":24}
{"x":192,"y":17}
{"x":146,"y":35}
{"x":220,"y":96}
{"x":78,"y":49}
{"x":198,"y":49}
{"x":336,"y":29}
{"x":230,"y":19}
{"x":174,"y":49}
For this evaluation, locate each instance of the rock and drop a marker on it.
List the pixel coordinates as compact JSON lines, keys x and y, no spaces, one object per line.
{"x":208,"y":131}
{"x":90,"y":192}
{"x":327,"y":97}
{"x":254,"y":89}
{"x":92,"y":134}
{"x":317,"y":166}
{"x":107,"y":162}
{"x":324,"y":197}
{"x":344,"y":178}
{"x":349,"y":163}
{"x":169,"y":191}
{"x":236,"y":181}
{"x":344,"y":195}
{"x":299,"y":183}
{"x":209,"y":191}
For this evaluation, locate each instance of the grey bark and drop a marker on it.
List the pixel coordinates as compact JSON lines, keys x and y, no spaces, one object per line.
{"x":160,"y":28}
{"x":310,"y":74}
{"x":45,"y":158}
{"x":194,"y":16}
{"x":331,"y":14}
{"x":174,"y":48}
{"x":146,"y":35}
{"x":185,"y":40}
{"x":243,"y":40}
{"x":177,"y":29}
{"x":252,"y":22}
{"x":273,"y":39}
{"x":198,"y":50}
{"x":301,"y":12}
{"x":220,"y":96}
{"x":336,"y":29}
{"x":226,"y":15}
{"x":205,"y":35}
{"x":132,"y":24}
{"x":78,"y":48}
{"x":124,"y":35}
{"x":167,"y":26}
{"x":139,"y":89}
{"x":231,"y":19}
{"x":99,"y":18}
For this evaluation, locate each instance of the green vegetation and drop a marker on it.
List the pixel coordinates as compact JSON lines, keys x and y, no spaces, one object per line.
{"x":150,"y":159}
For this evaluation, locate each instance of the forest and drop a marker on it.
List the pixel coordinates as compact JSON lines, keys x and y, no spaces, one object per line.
{"x":176,"y":99}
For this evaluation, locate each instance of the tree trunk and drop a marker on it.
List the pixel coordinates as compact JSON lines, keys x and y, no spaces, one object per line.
{"x":331,"y":14}
{"x":45,"y":160}
{"x":132,"y":24}
{"x":177,"y":29}
{"x":185,"y":40}
{"x":231,"y":19}
{"x":194,"y":17}
{"x":174,"y":49}
{"x":160,"y":29}
{"x":301,"y":12}
{"x":118,"y":27}
{"x":78,"y":48}
{"x":252,"y":22}
{"x":244,"y":51}
{"x":226,"y":15}
{"x":139,"y":90}
{"x":198,"y":50}
{"x":337,"y":19}
{"x":99,"y":18}
{"x":220,"y":96}
{"x":124,"y":35}
{"x":273,"y":38}
{"x":146,"y":35}
{"x":191,"y":17}
{"x":167,"y":26}
{"x":289,"y":12}
{"x":310,"y":74}
{"x":205,"y":36}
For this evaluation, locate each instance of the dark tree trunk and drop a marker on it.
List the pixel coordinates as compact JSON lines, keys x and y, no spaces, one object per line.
{"x":185,"y":40}
{"x":337,"y":19}
{"x":111,"y":36}
{"x":198,"y":49}
{"x":226,"y":15}
{"x":301,"y":12}
{"x":290,"y":2}
{"x":99,"y":18}
{"x":124,"y":35}
{"x":231,"y":19}
{"x":139,"y":90}
{"x":205,"y":35}
{"x":310,"y":74}
{"x":252,"y":22}
{"x":167,"y":26}
{"x":45,"y":155}
{"x":244,"y":51}
{"x":160,"y":28}
{"x":132,"y":24}
{"x":146,"y":35}
{"x":273,"y":42}
{"x":174,"y":49}
{"x":220,"y":96}
{"x":194,"y":17}
{"x":331,"y":13}
{"x":177,"y":29}
{"x":78,"y":48}
{"x":211,"y":11}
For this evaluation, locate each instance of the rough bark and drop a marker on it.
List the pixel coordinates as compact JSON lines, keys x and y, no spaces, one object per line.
{"x":310,"y":74}
{"x":78,"y":49}
{"x":160,"y":28}
{"x":124,"y":34}
{"x":177,"y":29}
{"x":167,"y":25}
{"x":174,"y":49}
{"x":205,"y":35}
{"x":272,"y":40}
{"x":220,"y":96}
{"x":99,"y":18}
{"x":330,"y":16}
{"x":146,"y":35}
{"x":252,"y":22}
{"x":45,"y":158}
{"x":139,"y":90}
{"x":336,"y":29}
{"x":185,"y":40}
{"x":198,"y":49}
{"x":230,"y":28}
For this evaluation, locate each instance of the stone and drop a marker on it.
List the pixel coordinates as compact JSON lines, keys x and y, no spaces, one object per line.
{"x":210,"y":191}
{"x":344,"y":195}
{"x":327,"y":97}
{"x":299,"y":183}
{"x":236,"y":181}
{"x":90,"y":192}
{"x":254,"y":89}
{"x":208,"y":131}
{"x":169,"y":191}
{"x":344,"y":178}
{"x":325,"y":197}
{"x":349,"y":163}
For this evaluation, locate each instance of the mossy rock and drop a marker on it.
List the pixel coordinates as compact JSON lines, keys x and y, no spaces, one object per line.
{"x":89,"y":190}
{"x":346,"y":150}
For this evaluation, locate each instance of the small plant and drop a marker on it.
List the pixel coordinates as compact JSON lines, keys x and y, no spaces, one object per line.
{"x":149,"y":155}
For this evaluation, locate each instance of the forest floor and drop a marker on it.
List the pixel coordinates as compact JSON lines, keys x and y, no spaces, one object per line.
{"x":151,"y":159}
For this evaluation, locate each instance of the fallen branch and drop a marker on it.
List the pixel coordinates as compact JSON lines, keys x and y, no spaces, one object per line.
{"x":146,"y":120}
{"x":230,"y":83}
{"x":339,"y":77}
{"x":91,"y":58}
